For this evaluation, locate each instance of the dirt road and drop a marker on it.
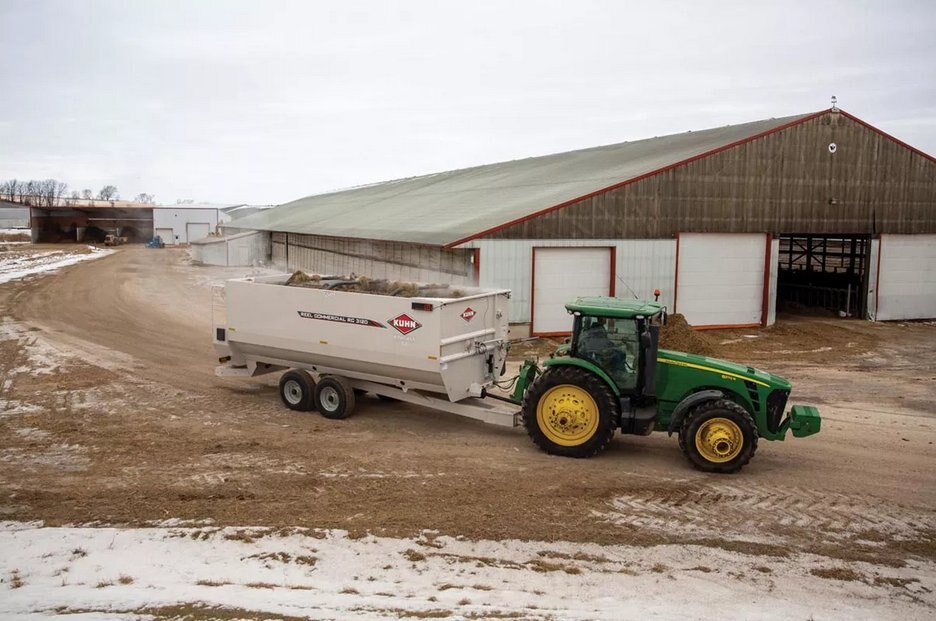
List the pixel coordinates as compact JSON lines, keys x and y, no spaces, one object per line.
{"x":110,"y":412}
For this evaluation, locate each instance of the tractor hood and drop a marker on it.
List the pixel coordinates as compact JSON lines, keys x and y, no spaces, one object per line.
{"x":722,"y":367}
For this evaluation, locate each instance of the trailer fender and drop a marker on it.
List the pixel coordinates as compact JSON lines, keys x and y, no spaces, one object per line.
{"x":683,"y":407}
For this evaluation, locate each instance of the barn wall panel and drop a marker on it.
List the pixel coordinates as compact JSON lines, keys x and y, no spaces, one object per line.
{"x":720,"y":279}
{"x":641,"y":266}
{"x":787,"y":182}
{"x":390,"y":260}
{"x":907,"y":278}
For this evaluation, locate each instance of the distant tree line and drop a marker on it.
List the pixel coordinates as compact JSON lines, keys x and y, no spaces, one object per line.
{"x":49,"y":193}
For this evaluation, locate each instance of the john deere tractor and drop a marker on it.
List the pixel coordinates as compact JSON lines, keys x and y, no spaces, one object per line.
{"x":612,"y":376}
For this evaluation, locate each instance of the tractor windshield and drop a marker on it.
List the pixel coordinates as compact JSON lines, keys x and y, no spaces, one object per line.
{"x":613,"y":345}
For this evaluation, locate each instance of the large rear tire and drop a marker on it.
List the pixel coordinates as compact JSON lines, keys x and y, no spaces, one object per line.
{"x":718,"y":436}
{"x":334,"y":397}
{"x":296,"y":389}
{"x":570,"y":412}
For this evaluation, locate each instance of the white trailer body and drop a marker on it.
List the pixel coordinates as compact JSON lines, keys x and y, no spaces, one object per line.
{"x":454,"y":346}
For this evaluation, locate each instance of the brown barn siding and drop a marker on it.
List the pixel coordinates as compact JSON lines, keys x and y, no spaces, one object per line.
{"x":784,"y":182}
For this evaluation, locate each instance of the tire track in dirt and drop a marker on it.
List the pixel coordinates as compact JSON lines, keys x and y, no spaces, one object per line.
{"x":722,"y":507}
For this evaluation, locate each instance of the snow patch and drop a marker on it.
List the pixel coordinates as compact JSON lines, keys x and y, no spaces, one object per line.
{"x":16,"y":265}
{"x":325,"y":574}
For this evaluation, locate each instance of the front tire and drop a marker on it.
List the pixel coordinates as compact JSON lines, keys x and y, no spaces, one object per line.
{"x":570,"y":412}
{"x":296,"y":389}
{"x":334,"y":397}
{"x":718,"y":436}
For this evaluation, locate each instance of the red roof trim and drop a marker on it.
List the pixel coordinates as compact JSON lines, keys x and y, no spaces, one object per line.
{"x":888,"y":136}
{"x":616,"y":186}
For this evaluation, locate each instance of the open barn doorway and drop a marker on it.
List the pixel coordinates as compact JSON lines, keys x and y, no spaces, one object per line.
{"x":823,"y":274}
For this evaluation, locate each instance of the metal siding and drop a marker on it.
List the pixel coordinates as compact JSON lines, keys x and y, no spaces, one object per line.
{"x":721,"y":278}
{"x":641,"y":264}
{"x":390,"y":260}
{"x":178,"y":219}
{"x":907,"y":284}
{"x":14,"y":217}
{"x":772,"y":286}
{"x":873,"y":279}
{"x":167,"y":235}
{"x":561,"y":275}
{"x":785,"y":182}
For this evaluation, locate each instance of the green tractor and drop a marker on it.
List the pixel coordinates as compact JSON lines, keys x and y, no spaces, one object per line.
{"x":612,"y":375}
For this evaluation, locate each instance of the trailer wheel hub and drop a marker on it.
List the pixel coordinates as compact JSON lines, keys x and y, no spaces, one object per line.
{"x":719,"y":440}
{"x":292,"y":392}
{"x":330,"y":400}
{"x":567,"y":415}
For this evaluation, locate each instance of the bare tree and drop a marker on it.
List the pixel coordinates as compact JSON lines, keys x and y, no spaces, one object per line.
{"x":87,"y":194}
{"x":184,"y":201}
{"x":143,"y":197}
{"x":51,"y":192}
{"x":32,"y":193}
{"x":74,"y":195}
{"x":11,"y":190}
{"x":108,"y":193}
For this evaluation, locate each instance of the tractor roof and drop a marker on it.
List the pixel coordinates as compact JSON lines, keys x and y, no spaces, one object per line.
{"x":614,"y":307}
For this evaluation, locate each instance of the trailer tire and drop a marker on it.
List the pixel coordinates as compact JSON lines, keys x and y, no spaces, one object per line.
{"x":297,"y":390}
{"x":334,"y":397}
{"x":570,"y":412}
{"x":718,"y":436}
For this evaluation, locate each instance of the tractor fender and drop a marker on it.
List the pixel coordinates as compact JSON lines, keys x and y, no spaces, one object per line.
{"x":588,"y":366}
{"x":683,"y":407}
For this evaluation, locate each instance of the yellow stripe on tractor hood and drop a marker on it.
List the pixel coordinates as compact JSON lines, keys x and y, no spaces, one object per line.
{"x":722,"y":367}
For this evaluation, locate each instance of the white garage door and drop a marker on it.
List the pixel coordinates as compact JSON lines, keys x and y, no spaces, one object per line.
{"x":907,"y":278}
{"x":197,"y":230}
{"x":559,"y":276}
{"x":720,"y":278}
{"x":167,"y":236}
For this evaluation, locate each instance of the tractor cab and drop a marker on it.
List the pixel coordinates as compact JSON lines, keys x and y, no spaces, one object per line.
{"x":620,"y":337}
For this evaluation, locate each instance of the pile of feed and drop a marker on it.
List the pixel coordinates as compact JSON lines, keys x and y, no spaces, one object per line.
{"x":378,"y":286}
{"x":678,"y":335}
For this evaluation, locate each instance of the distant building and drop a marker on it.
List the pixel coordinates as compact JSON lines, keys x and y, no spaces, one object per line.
{"x":13,"y":215}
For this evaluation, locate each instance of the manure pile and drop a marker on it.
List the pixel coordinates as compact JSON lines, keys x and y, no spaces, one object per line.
{"x":678,"y":335}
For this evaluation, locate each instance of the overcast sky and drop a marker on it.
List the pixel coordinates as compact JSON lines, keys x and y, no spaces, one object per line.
{"x":266,"y":102}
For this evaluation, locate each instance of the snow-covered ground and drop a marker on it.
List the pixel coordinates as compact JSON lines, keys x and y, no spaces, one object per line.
{"x":121,"y":573}
{"x":17,"y":264}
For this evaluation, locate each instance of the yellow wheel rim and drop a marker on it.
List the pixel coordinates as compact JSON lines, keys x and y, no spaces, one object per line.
{"x":719,"y":440}
{"x":567,"y":415}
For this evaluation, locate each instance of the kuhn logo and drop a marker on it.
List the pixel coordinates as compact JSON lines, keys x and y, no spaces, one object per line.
{"x":404,"y":324}
{"x":468,"y":314}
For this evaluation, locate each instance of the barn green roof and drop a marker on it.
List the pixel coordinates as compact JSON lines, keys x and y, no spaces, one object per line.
{"x":450,"y":208}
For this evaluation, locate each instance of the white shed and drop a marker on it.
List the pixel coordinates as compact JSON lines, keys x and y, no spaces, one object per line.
{"x":183,"y":224}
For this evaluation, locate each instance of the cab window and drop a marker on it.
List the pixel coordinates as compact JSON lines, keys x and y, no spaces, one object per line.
{"x":612,"y":344}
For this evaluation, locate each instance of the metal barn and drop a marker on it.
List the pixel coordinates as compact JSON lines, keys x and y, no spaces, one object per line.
{"x":816,"y":210}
